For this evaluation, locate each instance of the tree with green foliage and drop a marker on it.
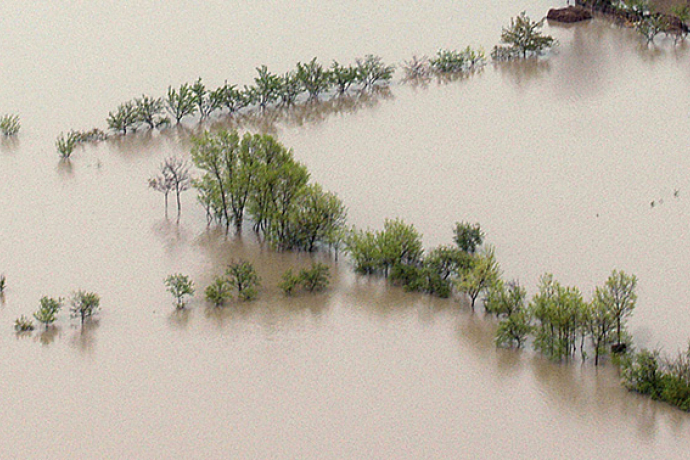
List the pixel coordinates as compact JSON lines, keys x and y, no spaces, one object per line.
{"x":640,"y":372}
{"x":289,"y":88}
{"x":314,"y":78}
{"x":47,"y":314}
{"x":363,"y":247}
{"x":3,"y":283}
{"x":315,"y":278}
{"x":65,"y":144}
{"x":180,"y":103}
{"x":448,"y":61}
{"x":481,"y":275}
{"x":149,"y":111}
{"x":125,"y":118}
{"x":468,"y":237}
{"x":9,"y":124}
{"x":343,"y":76}
{"x":243,"y":277}
{"x":601,"y":324}
{"x":84,"y":305}
{"x":504,"y":299}
{"x":371,"y":70}
{"x":316,"y":218}
{"x":179,"y":286}
{"x":561,"y":313}
{"x":618,"y":297}
{"x":230,"y":97}
{"x":289,"y":281}
{"x":514,"y":329}
{"x":218,"y":292}
{"x":522,"y":37}
{"x":266,"y":87}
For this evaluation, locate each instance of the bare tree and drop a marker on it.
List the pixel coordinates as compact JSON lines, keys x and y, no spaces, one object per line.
{"x":174,"y":175}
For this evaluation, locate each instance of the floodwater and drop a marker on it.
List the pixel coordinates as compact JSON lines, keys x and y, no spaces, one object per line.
{"x":559,"y":161}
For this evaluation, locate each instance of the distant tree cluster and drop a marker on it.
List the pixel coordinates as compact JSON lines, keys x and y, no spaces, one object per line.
{"x":396,"y":252}
{"x":446,"y":63}
{"x":560,"y":321}
{"x":83,"y":305}
{"x":256,"y":176}
{"x":664,"y":379}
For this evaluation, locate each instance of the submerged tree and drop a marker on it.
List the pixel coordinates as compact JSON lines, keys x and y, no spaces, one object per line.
{"x":243,"y":277}
{"x":218,"y":291}
{"x":84,"y":305}
{"x":125,"y":118}
{"x":174,"y":176}
{"x":9,"y":124}
{"x":149,"y":111}
{"x":481,"y":275}
{"x":522,"y":37}
{"x":181,"y":103}
{"x":47,"y":314}
{"x":179,"y":286}
{"x":618,"y":297}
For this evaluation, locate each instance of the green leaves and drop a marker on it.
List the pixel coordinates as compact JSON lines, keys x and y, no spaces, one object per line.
{"x":47,"y":314}
{"x":242,"y":275}
{"x":179,"y":286}
{"x":9,"y":124}
{"x":523,"y":37}
{"x":84,"y":304}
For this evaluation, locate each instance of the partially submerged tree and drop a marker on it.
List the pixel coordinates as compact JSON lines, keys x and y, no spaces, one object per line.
{"x":9,"y":124}
{"x":149,"y":111}
{"x":47,"y":314}
{"x":180,"y":103}
{"x":315,"y":278}
{"x":619,"y":298}
{"x":218,"y":291}
{"x":65,"y":144}
{"x":84,"y":305}
{"x":125,"y":118}
{"x":23,"y":324}
{"x":313,"y":77}
{"x":371,"y":70}
{"x":174,"y":176}
{"x":481,"y":275}
{"x":180,"y":286}
{"x":522,"y":37}
{"x":243,"y":277}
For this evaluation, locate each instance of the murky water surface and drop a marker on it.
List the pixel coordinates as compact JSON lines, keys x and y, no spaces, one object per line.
{"x":559,"y":161}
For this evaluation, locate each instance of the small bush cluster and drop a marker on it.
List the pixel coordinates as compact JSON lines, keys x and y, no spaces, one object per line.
{"x":447,"y":62}
{"x":84,"y":305}
{"x":663,"y":379}
{"x":240,"y":277}
{"x":9,"y":124}
{"x":313,"y":279}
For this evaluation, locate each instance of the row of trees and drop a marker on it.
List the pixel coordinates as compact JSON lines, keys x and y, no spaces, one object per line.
{"x":256,"y":176}
{"x":558,"y":319}
{"x":308,"y":81}
{"x":83,"y":305}
{"x":242,"y":278}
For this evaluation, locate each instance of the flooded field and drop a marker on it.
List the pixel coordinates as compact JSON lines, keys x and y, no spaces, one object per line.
{"x":559,"y":160}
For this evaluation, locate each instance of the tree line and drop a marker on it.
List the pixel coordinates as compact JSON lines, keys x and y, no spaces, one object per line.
{"x":558,"y":322}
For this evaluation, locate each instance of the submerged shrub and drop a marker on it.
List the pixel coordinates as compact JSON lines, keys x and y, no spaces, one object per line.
{"x":23,"y":324}
{"x":65,"y":144}
{"x":218,"y":291}
{"x":84,"y":305}
{"x":179,"y":286}
{"x":9,"y":124}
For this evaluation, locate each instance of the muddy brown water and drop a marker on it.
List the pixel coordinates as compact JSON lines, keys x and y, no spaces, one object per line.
{"x":559,"y":161}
